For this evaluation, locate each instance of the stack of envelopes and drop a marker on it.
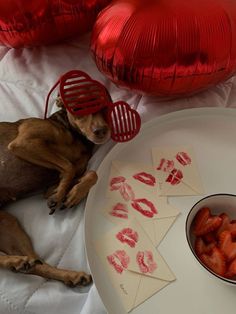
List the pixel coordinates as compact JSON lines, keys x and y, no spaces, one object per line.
{"x":137,"y":204}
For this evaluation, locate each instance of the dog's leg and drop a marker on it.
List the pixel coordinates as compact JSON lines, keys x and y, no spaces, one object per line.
{"x":80,"y":190}
{"x":69,"y":277}
{"x":21,"y":256}
{"x":38,"y":152}
{"x":22,"y":264}
{"x":14,"y":240}
{"x":15,"y":263}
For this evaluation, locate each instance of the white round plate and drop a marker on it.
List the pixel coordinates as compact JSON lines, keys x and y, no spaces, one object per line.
{"x":212,"y":134}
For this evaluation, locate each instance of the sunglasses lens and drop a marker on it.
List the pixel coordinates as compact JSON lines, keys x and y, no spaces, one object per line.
{"x":81,"y":95}
{"x":125,"y":122}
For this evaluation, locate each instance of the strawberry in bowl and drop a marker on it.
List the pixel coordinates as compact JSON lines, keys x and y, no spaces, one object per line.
{"x":211,"y":235}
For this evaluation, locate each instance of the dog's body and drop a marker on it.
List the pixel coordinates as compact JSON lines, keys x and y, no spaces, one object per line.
{"x":21,"y":172}
{"x":52,"y":154}
{"x":16,"y":178}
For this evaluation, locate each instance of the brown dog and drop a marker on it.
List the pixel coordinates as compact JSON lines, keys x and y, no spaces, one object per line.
{"x":34,"y":155}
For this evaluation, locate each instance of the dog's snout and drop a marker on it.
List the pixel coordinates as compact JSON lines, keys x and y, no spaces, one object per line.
{"x":100,"y":132}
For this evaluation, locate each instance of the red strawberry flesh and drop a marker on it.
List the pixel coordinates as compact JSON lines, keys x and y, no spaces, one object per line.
{"x":227,"y":246}
{"x":205,"y":222}
{"x":215,"y":261}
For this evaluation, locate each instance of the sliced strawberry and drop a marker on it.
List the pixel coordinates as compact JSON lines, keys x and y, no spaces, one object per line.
{"x":210,"y":237}
{"x":205,"y":222}
{"x":232,"y":228}
{"x":215,"y":261}
{"x":231,"y":271}
{"x":201,"y":247}
{"x":227,"y":246}
{"x":225,"y":224}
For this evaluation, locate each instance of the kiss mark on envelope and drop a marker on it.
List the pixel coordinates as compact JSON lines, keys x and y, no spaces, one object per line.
{"x":116,"y":209}
{"x":144,"y":272}
{"x":176,"y":171}
{"x":156,"y":226}
{"x":131,"y":178}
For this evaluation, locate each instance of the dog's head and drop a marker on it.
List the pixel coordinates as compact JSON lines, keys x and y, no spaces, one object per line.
{"x":93,"y":126}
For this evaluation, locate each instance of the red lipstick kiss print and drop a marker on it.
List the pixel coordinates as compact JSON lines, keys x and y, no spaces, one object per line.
{"x":183,"y":158}
{"x":116,"y":183}
{"x":145,"y":178}
{"x":120,"y":211}
{"x":166,"y":165}
{"x":146,"y":262}
{"x":149,"y":212}
{"x":119,"y":260}
{"x":128,"y":236}
{"x":127,"y":192}
{"x":175,"y":177}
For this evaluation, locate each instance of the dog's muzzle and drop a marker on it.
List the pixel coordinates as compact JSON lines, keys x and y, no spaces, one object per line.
{"x":82,"y":95}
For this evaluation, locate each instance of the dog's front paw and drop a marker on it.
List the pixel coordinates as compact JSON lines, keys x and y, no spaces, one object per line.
{"x":50,"y":191}
{"x":73,"y":279}
{"x":74,"y":197}
{"x":18,"y":263}
{"x":53,"y":204}
{"x":80,"y":190}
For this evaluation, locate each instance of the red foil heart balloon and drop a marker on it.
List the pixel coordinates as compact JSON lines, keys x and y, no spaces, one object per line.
{"x":25,"y":23}
{"x":167,"y":48}
{"x":82,"y":96}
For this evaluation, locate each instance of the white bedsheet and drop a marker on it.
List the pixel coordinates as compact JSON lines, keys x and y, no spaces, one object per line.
{"x":26,"y":76}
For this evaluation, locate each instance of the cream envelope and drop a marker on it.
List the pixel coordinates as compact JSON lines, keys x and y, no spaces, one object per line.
{"x":161,"y":227}
{"x":135,"y":176}
{"x":135,"y":267}
{"x":116,"y":209}
{"x":138,"y":175}
{"x":156,"y":227}
{"x":176,"y":171}
{"x":119,"y":208}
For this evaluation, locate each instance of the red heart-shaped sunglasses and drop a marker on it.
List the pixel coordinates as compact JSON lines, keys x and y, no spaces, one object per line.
{"x":82,"y":95}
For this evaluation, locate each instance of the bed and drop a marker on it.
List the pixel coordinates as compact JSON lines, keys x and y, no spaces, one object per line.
{"x":26,"y":76}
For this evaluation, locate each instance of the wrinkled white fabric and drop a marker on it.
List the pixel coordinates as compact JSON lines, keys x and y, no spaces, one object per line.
{"x":26,"y":76}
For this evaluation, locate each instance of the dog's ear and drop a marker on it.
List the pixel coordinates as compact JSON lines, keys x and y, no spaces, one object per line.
{"x":59,"y":102}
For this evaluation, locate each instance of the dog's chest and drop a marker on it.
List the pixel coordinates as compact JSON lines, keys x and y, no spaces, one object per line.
{"x":72,"y":148}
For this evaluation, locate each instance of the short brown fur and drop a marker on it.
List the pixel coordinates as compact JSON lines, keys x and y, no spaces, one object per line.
{"x":45,"y":154}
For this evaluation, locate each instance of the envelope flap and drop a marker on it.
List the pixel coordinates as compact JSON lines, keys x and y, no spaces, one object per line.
{"x":165,"y":209}
{"x":147,"y":287}
{"x":146,"y":259}
{"x":161,"y":227}
{"x":146,"y":262}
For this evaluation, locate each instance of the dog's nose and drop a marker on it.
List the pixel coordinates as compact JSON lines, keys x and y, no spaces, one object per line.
{"x":100,"y":132}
